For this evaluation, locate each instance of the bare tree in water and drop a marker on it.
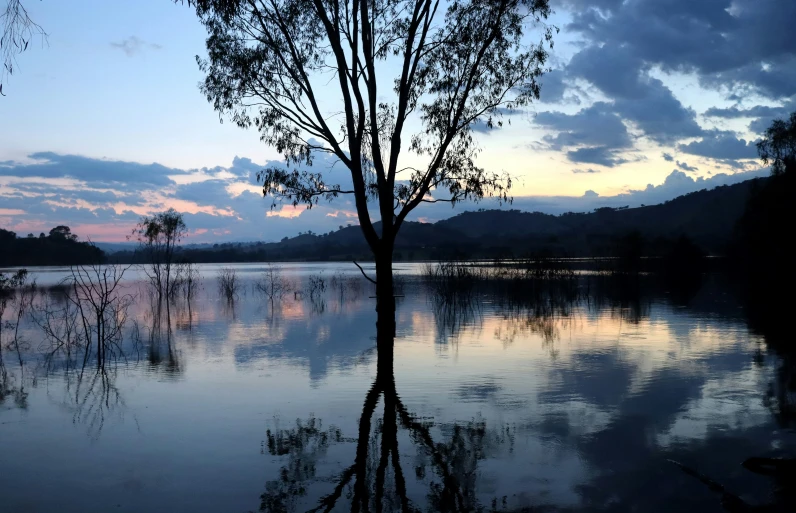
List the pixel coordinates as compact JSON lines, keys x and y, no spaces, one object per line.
{"x":102,"y":309}
{"x":13,"y":293}
{"x":437,"y":67}
{"x":158,"y":236}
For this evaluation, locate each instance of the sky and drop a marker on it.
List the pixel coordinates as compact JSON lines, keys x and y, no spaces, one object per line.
{"x":646,"y":100}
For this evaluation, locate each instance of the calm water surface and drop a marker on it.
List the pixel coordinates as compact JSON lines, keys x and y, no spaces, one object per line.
{"x":248,"y":406}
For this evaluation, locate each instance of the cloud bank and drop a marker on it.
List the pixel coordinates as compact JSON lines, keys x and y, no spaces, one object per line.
{"x":103,"y":199}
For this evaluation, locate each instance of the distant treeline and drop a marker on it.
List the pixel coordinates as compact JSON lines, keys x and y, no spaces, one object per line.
{"x":749,"y":221}
{"x":59,"y":247}
{"x":706,"y":221}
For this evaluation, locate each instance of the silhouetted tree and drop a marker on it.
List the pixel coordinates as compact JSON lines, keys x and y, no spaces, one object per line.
{"x":60,"y":248}
{"x":158,"y":236}
{"x":269,"y":60}
{"x":7,"y":236}
{"x":63,"y":233}
{"x":18,"y":29}
{"x":778,"y":146}
{"x":767,"y":221}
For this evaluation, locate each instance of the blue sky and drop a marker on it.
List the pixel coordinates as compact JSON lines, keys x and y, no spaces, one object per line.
{"x":649,"y":99}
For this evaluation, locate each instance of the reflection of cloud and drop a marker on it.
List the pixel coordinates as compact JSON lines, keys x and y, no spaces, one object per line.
{"x":479,"y":391}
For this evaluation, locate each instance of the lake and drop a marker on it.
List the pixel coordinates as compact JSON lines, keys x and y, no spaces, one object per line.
{"x":572,"y":402}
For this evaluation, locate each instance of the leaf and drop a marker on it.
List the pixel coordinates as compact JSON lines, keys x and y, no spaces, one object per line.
{"x":26,"y":45}
{"x":1,"y":90}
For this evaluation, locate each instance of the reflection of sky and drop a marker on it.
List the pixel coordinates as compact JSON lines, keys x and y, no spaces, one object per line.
{"x":595,"y":403}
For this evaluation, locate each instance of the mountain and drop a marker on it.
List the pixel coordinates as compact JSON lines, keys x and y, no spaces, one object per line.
{"x":707,"y":217}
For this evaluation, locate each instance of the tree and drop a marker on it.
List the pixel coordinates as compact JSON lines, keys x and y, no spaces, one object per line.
{"x":778,"y":147}
{"x":7,"y":235}
{"x":63,"y":233}
{"x":766,"y":223}
{"x":18,"y":29}
{"x":268,"y":60}
{"x":158,"y":236}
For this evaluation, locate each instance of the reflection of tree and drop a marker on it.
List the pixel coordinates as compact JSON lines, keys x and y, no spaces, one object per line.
{"x":453,"y":315}
{"x":304,"y":446}
{"x":9,"y":388}
{"x":161,"y":353}
{"x":769,"y":315}
{"x":624,"y":295}
{"x":532,"y":306}
{"x":16,"y":293}
{"x":375,"y":481}
{"x":93,"y":398}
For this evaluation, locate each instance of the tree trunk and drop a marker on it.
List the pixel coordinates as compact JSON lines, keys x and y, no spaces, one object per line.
{"x":385,"y":300}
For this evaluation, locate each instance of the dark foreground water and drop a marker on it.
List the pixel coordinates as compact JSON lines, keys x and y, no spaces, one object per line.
{"x":572,"y":404}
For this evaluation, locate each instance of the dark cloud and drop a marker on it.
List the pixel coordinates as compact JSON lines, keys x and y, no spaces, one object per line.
{"x":721,"y":145}
{"x":207,"y":192}
{"x":481,"y":124}
{"x":667,"y":157}
{"x":244,"y":168}
{"x":597,"y":133}
{"x":97,"y":173}
{"x":553,"y":87}
{"x":588,"y":171}
{"x":639,"y":98}
{"x":753,"y":112}
{"x":659,"y":114}
{"x":762,"y":115}
{"x":685,"y":167}
{"x":743,"y":48}
{"x":601,"y":155}
{"x":73,"y":195}
{"x":592,"y":126}
{"x":133,"y":46}
{"x":615,"y":70}
{"x":727,"y":43}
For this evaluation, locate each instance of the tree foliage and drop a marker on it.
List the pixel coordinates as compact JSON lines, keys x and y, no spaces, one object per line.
{"x":435,"y":66}
{"x":63,"y":232}
{"x":158,"y":236}
{"x":764,"y":227}
{"x":61,"y":247}
{"x":778,"y":147}
{"x":17,"y":30}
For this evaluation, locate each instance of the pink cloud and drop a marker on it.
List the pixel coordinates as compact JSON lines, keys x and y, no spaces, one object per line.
{"x":287,"y":211}
{"x":346,"y":214}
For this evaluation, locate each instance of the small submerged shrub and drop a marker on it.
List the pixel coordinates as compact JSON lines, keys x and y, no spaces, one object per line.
{"x":228,"y":283}
{"x":272,"y":284}
{"x":450,"y":279}
{"x":185,"y":282}
{"x":346,"y":287}
{"x":525,"y":279}
{"x":316,"y":285}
